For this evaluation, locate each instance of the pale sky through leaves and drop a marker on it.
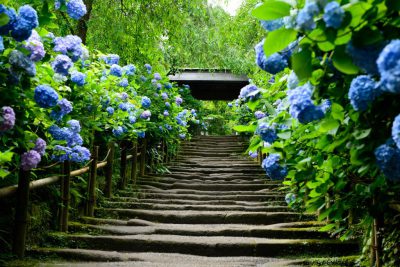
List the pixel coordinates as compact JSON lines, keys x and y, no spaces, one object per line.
{"x":231,"y":6}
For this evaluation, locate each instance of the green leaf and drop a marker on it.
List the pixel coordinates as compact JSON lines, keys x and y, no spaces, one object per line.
{"x":357,"y":10}
{"x":278,"y":40}
{"x":6,"y":157}
{"x":245,"y":128}
{"x":342,"y":61}
{"x":301,"y":64}
{"x":4,"y":19}
{"x":329,"y":125}
{"x":3,"y":173}
{"x":271,"y":10}
{"x":361,"y":134}
{"x":284,"y":135}
{"x":253,"y":104}
{"x":337,"y":112}
{"x":327,"y":227}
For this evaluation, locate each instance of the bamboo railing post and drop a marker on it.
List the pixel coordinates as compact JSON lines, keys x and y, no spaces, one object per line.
{"x":124,"y":150}
{"x":109,"y":170}
{"x":65,"y":196}
{"x":134,"y":164}
{"x":143,"y":158}
{"x":91,"y":202}
{"x":21,"y":214}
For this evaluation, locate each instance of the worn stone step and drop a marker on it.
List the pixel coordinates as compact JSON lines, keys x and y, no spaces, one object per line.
{"x":217,"y":170}
{"x":212,"y":245}
{"x":154,"y":206}
{"x":201,"y":202}
{"x":168,"y":182}
{"x":101,"y":258}
{"x":217,"y":165}
{"x":210,"y":186}
{"x":244,"y":230}
{"x":149,"y":189}
{"x":212,"y":177}
{"x":254,"y":197}
{"x":202,"y":217}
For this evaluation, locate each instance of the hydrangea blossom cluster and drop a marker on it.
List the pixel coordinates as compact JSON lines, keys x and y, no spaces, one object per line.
{"x":148,"y":68}
{"x":128,"y":69}
{"x":249,"y":92}
{"x":45,"y":96}
{"x":76,"y":9}
{"x":168,"y":86}
{"x":145,"y":114}
{"x":1,"y":44}
{"x":333,"y":15}
{"x":62,"y":64}
{"x":253,"y":155}
{"x":164,"y":96}
{"x":110,"y":110}
{"x":389,"y":67}
{"x":302,"y":107}
{"x":290,"y":198}
{"x":363,"y":91}
{"x":259,"y":114}
{"x":388,"y":158}
{"x":157,"y":76}
{"x":116,"y":70}
{"x":78,"y":78}
{"x":65,"y":106}
{"x":182,"y":136}
{"x":305,"y":18}
{"x":30,"y":160}
{"x":124,"y":82}
{"x":396,"y":131}
{"x":118,"y":132}
{"x":272,"y":25}
{"x":21,"y":26}
{"x":292,"y":80}
{"x":19,"y":61}
{"x":35,"y":46}
{"x":70,"y":45}
{"x":365,"y":57}
{"x":178,"y":100}
{"x":146,"y":102}
{"x":273,"y":64}
{"x":267,"y":133}
{"x":111,"y":59}
{"x":40,"y":146}
{"x":272,"y":167}
{"x":7,"y":119}
{"x":166,"y":113}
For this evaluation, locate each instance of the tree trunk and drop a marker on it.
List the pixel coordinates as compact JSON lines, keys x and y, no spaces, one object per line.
{"x":82,"y":27}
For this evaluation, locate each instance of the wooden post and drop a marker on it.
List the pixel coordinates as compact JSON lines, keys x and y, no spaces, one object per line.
{"x":124,"y":149}
{"x":65,"y":196}
{"x":91,"y":201}
{"x":134,"y":164}
{"x":21,"y":213}
{"x":143,"y":158}
{"x":109,"y":170}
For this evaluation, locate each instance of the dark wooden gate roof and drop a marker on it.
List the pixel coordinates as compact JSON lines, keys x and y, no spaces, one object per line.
{"x":211,"y":84}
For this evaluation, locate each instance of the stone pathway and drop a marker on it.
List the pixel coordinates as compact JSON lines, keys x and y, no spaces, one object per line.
{"x":215,"y":209}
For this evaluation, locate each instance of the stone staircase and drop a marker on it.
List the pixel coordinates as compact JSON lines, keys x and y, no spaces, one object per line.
{"x":216,"y":208}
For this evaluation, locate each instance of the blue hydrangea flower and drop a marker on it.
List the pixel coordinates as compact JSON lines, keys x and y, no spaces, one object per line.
{"x":62,"y":64}
{"x":118,"y":132}
{"x":7,"y":119}
{"x":45,"y":96}
{"x":166,"y":113}
{"x":1,"y":44}
{"x":305,"y":17}
{"x":146,"y":102}
{"x":129,"y":69}
{"x":290,"y":198}
{"x":273,"y":64}
{"x":143,"y":79}
{"x":267,"y":133}
{"x":182,"y":136}
{"x":35,"y":46}
{"x":389,"y":67}
{"x":79,"y":154}
{"x":40,"y":146}
{"x":272,"y":167}
{"x":167,"y":105}
{"x":26,"y":21}
{"x":110,"y":110}
{"x":259,"y":114}
{"x":249,"y":91}
{"x":116,"y":70}
{"x":168,"y":127}
{"x":65,"y":106}
{"x":76,"y":9}
{"x":12,"y":15}
{"x":363,"y":91}
{"x":141,"y":134}
{"x":178,"y":100}
{"x":74,"y":140}
{"x":112,"y":59}
{"x":59,"y":133}
{"x":365,"y":57}
{"x":157,"y":76}
{"x":78,"y":78}
{"x":145,"y":114}
{"x":302,"y":107}
{"x":230,"y":105}
{"x":74,"y":126}
{"x":168,"y":86}
{"x":290,"y":22}
{"x":292,"y":80}
{"x":123,"y":107}
{"x":272,"y":25}
{"x":148,"y":68}
{"x":124,"y":96}
{"x":158,"y":86}
{"x":396,"y":131}
{"x":132,"y":119}
{"x":164,"y":96}
{"x":56,"y":115}
{"x":333,"y":15}
{"x":388,"y":158}
{"x":124,"y":82}
{"x":253,"y":155}
{"x":19,"y":61}
{"x":30,"y":160}
{"x":70,"y":45}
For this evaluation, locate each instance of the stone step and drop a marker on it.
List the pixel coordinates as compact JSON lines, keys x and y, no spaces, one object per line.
{"x":217,"y":170}
{"x":213,"y":177}
{"x":200,"y":202}
{"x":154,"y":206}
{"x":204,"y":217}
{"x":253,"y":197}
{"x":203,"y":180}
{"x":210,"y":186}
{"x":243,"y":230}
{"x":101,"y":258}
{"x":211,"y":245}
{"x":217,"y":165}
{"x":149,"y":189}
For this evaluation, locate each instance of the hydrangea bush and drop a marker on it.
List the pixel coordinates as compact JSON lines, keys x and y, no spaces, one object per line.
{"x":331,"y":129}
